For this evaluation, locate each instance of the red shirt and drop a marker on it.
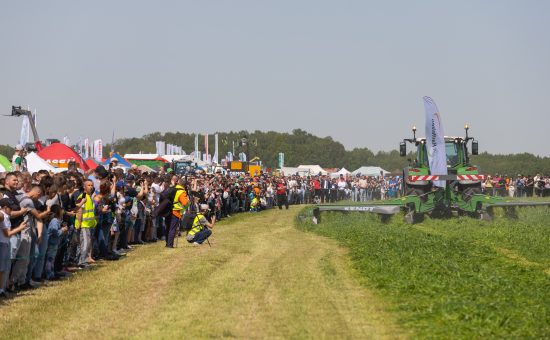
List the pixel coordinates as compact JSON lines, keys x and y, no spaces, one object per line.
{"x":281,"y":189}
{"x":316,"y":184}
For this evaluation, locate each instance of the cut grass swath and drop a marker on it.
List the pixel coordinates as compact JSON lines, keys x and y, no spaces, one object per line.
{"x":457,"y":277}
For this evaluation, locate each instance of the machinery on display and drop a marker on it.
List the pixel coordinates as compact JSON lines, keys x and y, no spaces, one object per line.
{"x":17,"y":111}
{"x":460,"y":195}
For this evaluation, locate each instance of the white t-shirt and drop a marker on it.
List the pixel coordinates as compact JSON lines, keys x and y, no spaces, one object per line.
{"x":342,"y":184}
{"x":5,"y":224}
{"x":156,"y":190}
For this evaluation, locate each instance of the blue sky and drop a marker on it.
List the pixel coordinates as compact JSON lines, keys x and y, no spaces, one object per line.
{"x":353,"y":70}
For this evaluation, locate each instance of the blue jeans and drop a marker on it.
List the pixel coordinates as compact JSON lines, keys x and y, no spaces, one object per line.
{"x":201,"y":236}
{"x":41,"y":255}
{"x":137,"y":229}
{"x":362,"y":195}
{"x":50,"y":259}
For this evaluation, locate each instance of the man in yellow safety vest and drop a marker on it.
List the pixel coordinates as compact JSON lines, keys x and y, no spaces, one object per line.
{"x":85,"y":223}
{"x":180,"y":203}
{"x":200,"y":231}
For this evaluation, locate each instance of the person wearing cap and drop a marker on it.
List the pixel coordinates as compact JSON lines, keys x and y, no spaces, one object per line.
{"x":200,"y":231}
{"x":18,"y":161}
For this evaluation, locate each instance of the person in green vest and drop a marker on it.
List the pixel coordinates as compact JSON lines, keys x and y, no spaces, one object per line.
{"x":85,"y":223}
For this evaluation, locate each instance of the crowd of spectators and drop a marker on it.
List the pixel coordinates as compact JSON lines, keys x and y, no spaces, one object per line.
{"x":44,"y":219}
{"x":516,"y":186}
{"x":45,"y":232}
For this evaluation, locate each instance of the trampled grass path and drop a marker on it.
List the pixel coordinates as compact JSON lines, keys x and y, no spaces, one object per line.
{"x":262,"y":278}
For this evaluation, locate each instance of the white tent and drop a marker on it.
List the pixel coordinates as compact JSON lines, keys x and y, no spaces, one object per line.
{"x":141,"y":156}
{"x":313,"y":169}
{"x":171,"y":158}
{"x":370,"y":171}
{"x":342,"y":171}
{"x":36,"y":163}
{"x":290,"y":171}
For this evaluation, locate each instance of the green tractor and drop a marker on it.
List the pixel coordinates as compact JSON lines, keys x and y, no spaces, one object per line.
{"x":462,"y":192}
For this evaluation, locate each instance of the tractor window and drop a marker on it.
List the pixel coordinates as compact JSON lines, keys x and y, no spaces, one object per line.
{"x":452,"y":153}
{"x":421,"y":155}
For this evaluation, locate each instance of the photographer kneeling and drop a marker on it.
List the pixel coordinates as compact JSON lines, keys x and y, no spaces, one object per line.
{"x":200,"y":231}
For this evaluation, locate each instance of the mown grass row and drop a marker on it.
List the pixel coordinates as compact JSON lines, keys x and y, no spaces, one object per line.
{"x":459,"y":277}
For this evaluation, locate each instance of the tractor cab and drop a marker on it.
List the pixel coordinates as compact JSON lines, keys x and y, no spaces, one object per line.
{"x":457,"y":156}
{"x":456,"y":150}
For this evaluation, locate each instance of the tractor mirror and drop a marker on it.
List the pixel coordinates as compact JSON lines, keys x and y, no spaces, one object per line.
{"x":402,"y":149}
{"x":475,"y":148}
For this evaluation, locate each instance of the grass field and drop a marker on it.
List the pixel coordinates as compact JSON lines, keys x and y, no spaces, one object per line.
{"x":459,"y":278}
{"x":262,"y":278}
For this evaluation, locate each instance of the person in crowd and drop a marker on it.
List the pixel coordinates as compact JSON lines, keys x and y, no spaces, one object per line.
{"x":56,"y":228}
{"x":325,"y":189}
{"x":86,"y":221}
{"x":180,"y":203}
{"x":6,"y":231}
{"x":489,"y":186}
{"x":25,"y":249}
{"x":19,"y":162}
{"x":281,"y":191}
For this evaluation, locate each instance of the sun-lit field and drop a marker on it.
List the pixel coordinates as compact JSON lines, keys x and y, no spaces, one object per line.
{"x":262,"y":278}
{"x":458,"y":277}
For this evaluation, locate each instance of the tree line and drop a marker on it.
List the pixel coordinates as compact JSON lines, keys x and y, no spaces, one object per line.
{"x":301,"y":147}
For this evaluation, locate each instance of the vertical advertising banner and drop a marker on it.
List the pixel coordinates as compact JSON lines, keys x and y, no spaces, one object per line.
{"x":215,"y":158}
{"x":86,"y":148}
{"x":98,"y":150}
{"x":25,"y":131}
{"x":281,"y":160}
{"x":197,"y":156}
{"x":206,"y":144}
{"x":435,"y":141}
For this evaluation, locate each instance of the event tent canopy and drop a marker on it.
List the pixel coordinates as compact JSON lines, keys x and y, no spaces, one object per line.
{"x":35,"y":163}
{"x":121,"y":161}
{"x":171,"y":158}
{"x":370,"y":171}
{"x":290,"y":171}
{"x":342,"y":171}
{"x":5,"y":164}
{"x":313,"y":169}
{"x":59,"y":155}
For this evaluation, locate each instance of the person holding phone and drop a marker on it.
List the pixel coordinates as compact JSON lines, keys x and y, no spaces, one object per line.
{"x":29,"y":236}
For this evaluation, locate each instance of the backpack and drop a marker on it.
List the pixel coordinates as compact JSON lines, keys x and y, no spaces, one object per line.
{"x":189,"y":218}
{"x":166,"y":202}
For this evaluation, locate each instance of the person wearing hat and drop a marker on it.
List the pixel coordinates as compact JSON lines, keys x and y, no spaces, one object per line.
{"x":18,"y":161}
{"x":113,"y":164}
{"x":200,"y":231}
